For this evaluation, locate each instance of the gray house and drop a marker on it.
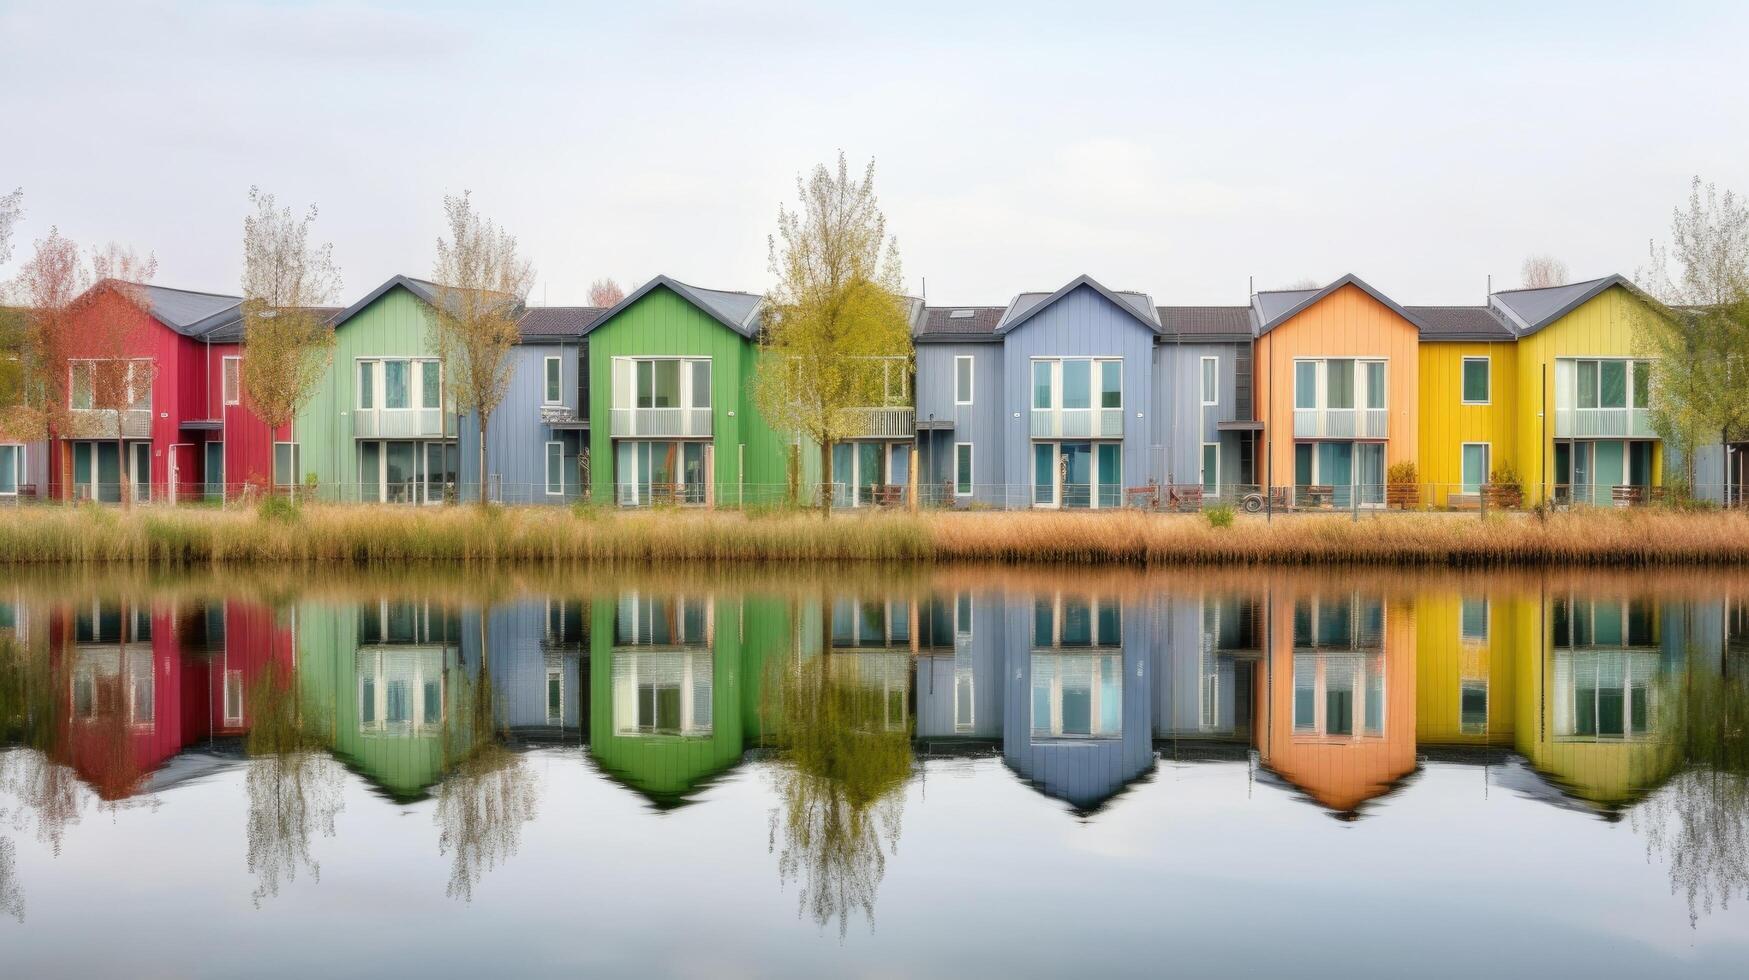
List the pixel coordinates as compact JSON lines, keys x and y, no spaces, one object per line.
{"x":1203,"y":405}
{"x":537,"y":443}
{"x":1047,"y":404}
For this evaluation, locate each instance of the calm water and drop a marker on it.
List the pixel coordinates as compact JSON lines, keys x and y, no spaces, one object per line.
{"x":964,"y":772}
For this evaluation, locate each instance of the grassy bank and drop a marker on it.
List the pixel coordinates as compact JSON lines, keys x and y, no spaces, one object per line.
{"x":396,"y":535}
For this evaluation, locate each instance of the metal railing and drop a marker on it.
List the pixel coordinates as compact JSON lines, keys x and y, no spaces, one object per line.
{"x":881,"y":423}
{"x":398,"y":423}
{"x":1590,"y":423}
{"x":1341,"y":423}
{"x":1077,"y":423}
{"x":658,"y":422}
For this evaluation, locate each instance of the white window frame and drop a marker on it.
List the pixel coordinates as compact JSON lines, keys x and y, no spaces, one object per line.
{"x":1209,"y":376}
{"x":231,"y":380}
{"x":971,"y":379}
{"x":971,"y":456}
{"x":1463,"y":367}
{"x":233,"y":698}
{"x":548,"y":450}
{"x":293,"y":475}
{"x":552,"y":384}
{"x":379,"y":387}
{"x":90,"y":365}
{"x":558,"y":673}
{"x":1487,"y":464}
{"x":1201,"y":465}
{"x":1321,"y":383}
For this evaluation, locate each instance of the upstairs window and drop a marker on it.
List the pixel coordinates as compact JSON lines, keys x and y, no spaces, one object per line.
{"x":962,"y":380}
{"x":554,"y":392}
{"x":232,"y":380}
{"x":1477,"y":381}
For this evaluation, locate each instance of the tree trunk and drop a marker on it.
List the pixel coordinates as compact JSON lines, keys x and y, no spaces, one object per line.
{"x":123,"y":465}
{"x":825,"y":477}
{"x":485,"y":418}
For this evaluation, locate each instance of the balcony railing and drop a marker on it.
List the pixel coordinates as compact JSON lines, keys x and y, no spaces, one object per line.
{"x":1341,"y":423}
{"x":99,"y":423}
{"x":671,"y":422}
{"x":398,"y":423}
{"x":1604,"y":423}
{"x":1077,"y":423}
{"x":881,"y":423}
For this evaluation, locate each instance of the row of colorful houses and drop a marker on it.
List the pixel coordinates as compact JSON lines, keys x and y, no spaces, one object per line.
{"x":1339,"y":691}
{"x":1081,"y":397}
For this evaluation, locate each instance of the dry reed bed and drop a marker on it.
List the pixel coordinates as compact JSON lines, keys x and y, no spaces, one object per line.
{"x":371,"y":536}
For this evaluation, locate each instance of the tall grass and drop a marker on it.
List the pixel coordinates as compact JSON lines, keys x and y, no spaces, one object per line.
{"x":376,"y":536}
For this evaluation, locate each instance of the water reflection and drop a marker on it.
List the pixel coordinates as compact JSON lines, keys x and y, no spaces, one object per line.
{"x":1608,"y":696}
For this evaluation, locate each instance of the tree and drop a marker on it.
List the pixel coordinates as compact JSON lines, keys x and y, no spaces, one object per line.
{"x":482,"y":284}
{"x":11,"y":209}
{"x":110,"y":375}
{"x":1304,"y":282}
{"x":1539,"y":271}
{"x":605,"y":293}
{"x":835,"y":318}
{"x":48,"y":285}
{"x":1697,"y":331}
{"x":287,"y":346}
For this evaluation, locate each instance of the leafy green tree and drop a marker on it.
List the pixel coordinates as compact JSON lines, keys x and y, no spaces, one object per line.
{"x":834,"y":319}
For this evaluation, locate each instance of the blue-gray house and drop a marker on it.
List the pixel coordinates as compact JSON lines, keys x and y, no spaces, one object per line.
{"x":537,"y":446}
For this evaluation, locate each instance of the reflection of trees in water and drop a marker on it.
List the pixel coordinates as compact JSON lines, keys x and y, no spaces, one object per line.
{"x":46,"y":793}
{"x":839,"y":779}
{"x":1699,"y":821}
{"x":11,"y":893}
{"x":488,"y":794}
{"x":294,"y":787}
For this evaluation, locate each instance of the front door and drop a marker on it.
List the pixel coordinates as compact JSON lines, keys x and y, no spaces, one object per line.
{"x":1609,"y":462}
{"x":1044,"y":474}
{"x":1076,"y":466}
{"x":215,"y":470}
{"x":401,"y":472}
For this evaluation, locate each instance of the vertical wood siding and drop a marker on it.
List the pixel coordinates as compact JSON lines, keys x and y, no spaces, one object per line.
{"x":1447,"y":423}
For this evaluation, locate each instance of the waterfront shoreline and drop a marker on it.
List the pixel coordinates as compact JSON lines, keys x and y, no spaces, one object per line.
{"x":382,"y":535}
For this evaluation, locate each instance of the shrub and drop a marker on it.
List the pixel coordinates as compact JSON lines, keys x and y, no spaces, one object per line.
{"x":276,"y":507}
{"x":1220,"y":515}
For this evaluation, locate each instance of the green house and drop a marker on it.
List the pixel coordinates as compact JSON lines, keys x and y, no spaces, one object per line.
{"x":379,"y":427}
{"x":671,"y":412}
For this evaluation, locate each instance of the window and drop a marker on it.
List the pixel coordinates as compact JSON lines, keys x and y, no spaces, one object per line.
{"x":1476,"y":381}
{"x":232,"y":379}
{"x":1211,"y":468}
{"x":1473,"y":620}
{"x":1587,"y":384}
{"x":1642,"y":386}
{"x":233,"y":698}
{"x":962,"y":469}
{"x":285,"y":464}
{"x":1474,"y":466}
{"x":11,"y":469}
{"x":1305,"y":384}
{"x":83,"y":390}
{"x":1110,"y":384}
{"x":554,"y":393}
{"x":1041,"y":385}
{"x":396,"y":385}
{"x":1339,"y":383}
{"x":555,"y":696}
{"x":431,"y":386}
{"x":555,"y":468}
{"x":962,"y":380}
{"x":367,"y":376}
{"x":701,"y":384}
{"x":1375,"y":383}
{"x":1210,"y":391}
{"x":1612,"y":381}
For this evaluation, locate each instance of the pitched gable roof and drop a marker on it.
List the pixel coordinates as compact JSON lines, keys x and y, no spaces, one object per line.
{"x":185,"y":311}
{"x":1530,"y":310}
{"x":1027,"y":305}
{"x":1275,"y":307}
{"x":426,"y":291}
{"x":1460,"y":323}
{"x":737,"y":311}
{"x":227,"y":328}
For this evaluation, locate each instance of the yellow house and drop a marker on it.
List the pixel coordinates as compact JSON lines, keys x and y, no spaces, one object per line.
{"x":1468,"y":399}
{"x":1582,"y":381}
{"x":1466,"y":667}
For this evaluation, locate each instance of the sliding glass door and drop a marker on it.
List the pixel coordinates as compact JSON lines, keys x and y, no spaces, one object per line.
{"x":1078,"y":475}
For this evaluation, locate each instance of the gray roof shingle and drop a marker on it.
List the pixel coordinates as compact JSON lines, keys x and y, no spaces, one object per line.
{"x":975,"y":322}
{"x":557,"y":322}
{"x":1530,"y":310}
{"x":1227,"y":323}
{"x":737,"y":311}
{"x":1460,"y":323}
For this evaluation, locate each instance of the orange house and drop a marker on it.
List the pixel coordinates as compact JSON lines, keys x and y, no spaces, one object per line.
{"x":1339,"y":695}
{"x":1336,"y":374}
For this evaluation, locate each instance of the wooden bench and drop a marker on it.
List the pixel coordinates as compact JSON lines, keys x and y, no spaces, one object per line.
{"x":887,"y":494}
{"x":1185,"y":497}
{"x":1627,"y":495}
{"x":1315,"y":495}
{"x":1143,"y":498}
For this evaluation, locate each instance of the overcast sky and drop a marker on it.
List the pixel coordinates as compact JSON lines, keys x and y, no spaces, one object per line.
{"x":1174,"y":148}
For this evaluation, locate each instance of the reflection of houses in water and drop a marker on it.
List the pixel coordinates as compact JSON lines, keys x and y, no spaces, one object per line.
{"x":1076,"y":720}
{"x":872,"y":643}
{"x":665,"y":702}
{"x":1466,"y":680}
{"x":1205,"y":684}
{"x":1341,"y":697}
{"x":959,"y":668}
{"x":1594,"y":697}
{"x":537,"y":653}
{"x":382,"y":675}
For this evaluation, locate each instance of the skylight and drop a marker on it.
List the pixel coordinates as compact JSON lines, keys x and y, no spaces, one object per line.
{"x":960,"y":315}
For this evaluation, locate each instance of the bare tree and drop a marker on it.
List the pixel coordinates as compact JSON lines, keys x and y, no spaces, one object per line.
{"x":605,"y":292}
{"x":287,"y":346}
{"x":1543,"y":270}
{"x":482,"y":284}
{"x":48,"y":285}
{"x":11,"y":209}
{"x":1304,"y":282}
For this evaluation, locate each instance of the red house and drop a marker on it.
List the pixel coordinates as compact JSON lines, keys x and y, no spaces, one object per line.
{"x":188,"y":432}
